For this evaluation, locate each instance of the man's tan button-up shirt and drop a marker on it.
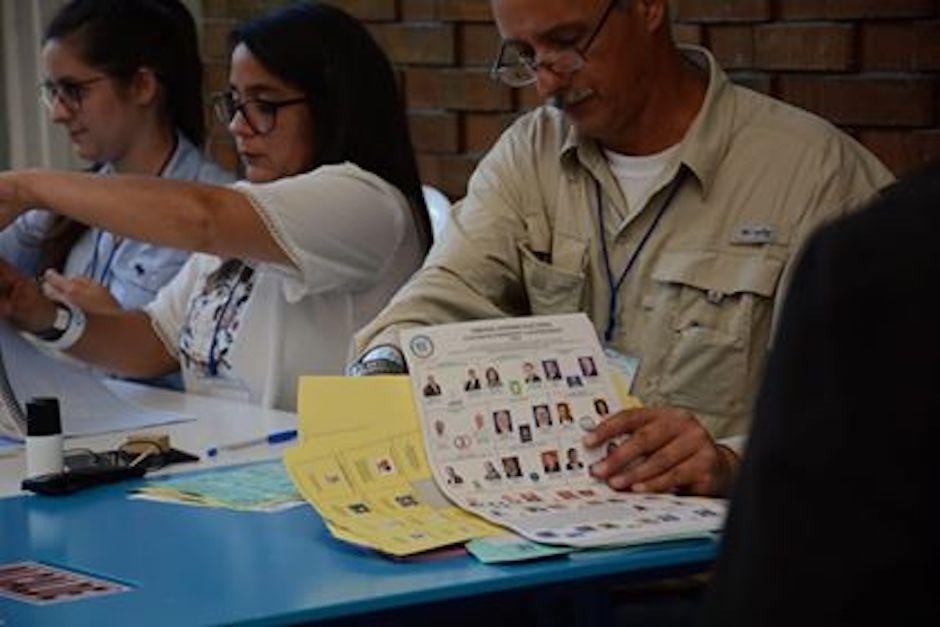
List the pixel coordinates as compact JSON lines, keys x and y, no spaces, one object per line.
{"x":698,"y":305}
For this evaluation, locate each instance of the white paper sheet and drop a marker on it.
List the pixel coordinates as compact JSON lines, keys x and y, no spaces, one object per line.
{"x":509,"y":447}
{"x":9,"y":447}
{"x":86,"y":405}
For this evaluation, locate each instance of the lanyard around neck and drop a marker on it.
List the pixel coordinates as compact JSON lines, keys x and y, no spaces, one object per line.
{"x":612,"y":285}
{"x":92,"y":269}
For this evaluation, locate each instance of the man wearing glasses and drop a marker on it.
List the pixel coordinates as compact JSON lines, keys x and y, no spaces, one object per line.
{"x":657,"y":197}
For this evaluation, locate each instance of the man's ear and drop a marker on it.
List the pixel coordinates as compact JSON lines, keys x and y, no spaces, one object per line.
{"x":654,"y":13}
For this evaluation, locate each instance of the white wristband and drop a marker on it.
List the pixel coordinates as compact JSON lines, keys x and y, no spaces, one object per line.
{"x":73,"y":332}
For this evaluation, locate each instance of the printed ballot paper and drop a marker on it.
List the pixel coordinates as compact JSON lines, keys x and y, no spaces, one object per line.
{"x":88,"y":407}
{"x":503,"y":405}
{"x":484,"y":435}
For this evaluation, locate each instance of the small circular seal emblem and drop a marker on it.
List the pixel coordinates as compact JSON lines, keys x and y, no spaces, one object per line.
{"x":422,"y":346}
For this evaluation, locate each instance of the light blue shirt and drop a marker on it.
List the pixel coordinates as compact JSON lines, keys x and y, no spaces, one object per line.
{"x":133,"y":271}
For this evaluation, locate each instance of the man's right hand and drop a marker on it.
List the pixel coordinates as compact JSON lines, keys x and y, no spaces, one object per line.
{"x":22,"y":302}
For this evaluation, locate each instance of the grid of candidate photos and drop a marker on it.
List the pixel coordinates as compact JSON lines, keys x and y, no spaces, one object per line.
{"x":504,"y":438}
{"x":513,"y":423}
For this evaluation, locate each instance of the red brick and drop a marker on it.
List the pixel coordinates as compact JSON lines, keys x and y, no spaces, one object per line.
{"x":802,"y":50}
{"x":447,"y":10}
{"x":223,"y":152}
{"x":805,"y":46}
{"x":215,"y":34}
{"x":434,"y":131}
{"x":903,"y":151}
{"x":216,"y":76}
{"x":417,"y":10}
{"x":722,"y":10}
{"x":688,"y":34}
{"x":479,"y":44}
{"x":368,"y":10}
{"x":901,"y":46}
{"x":417,"y":43}
{"x":464,"y":10}
{"x":758,"y":81}
{"x":854,"y":9}
{"x":864,"y":100}
{"x":732,"y":45}
{"x":528,"y":98}
{"x":244,"y":9}
{"x":215,"y":8}
{"x":466,"y":90}
{"x":481,"y":130}
{"x":448,"y":173}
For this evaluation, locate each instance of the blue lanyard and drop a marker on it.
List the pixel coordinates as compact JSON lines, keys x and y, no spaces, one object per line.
{"x":92,"y":267}
{"x":613,"y":286}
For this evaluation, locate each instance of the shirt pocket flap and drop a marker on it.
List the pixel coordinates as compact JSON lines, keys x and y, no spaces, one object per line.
{"x":724,"y":273}
{"x":549,"y":288}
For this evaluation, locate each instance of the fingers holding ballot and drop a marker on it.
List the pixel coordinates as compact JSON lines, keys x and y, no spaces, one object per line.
{"x":668,"y":450}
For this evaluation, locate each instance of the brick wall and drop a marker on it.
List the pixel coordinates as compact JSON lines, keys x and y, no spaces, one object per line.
{"x":870,"y":66}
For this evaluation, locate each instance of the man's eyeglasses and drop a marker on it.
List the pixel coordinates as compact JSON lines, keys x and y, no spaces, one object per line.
{"x":70,"y":93}
{"x":517,"y":65}
{"x":260,"y":115}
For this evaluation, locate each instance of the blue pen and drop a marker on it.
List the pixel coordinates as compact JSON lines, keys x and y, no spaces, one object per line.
{"x":272,"y":438}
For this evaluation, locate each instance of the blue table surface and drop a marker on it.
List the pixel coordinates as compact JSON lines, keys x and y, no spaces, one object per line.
{"x":191,"y":565}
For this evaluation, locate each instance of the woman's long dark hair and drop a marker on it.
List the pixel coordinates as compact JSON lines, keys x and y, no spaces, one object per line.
{"x":118,"y":37}
{"x":357,"y":111}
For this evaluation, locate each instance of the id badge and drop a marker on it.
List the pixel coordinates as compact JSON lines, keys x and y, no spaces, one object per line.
{"x":626,"y":366}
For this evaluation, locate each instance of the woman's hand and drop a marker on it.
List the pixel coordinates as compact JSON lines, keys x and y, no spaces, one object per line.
{"x":22,"y":302}
{"x":86,"y":294}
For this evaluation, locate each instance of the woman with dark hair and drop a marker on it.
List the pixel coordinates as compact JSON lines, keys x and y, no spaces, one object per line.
{"x":131,"y":103}
{"x":326,"y":228}
{"x":492,"y":378}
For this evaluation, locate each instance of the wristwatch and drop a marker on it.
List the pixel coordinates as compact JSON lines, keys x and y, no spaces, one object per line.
{"x":63,"y":316}
{"x":384,"y":359}
{"x":66,"y":329}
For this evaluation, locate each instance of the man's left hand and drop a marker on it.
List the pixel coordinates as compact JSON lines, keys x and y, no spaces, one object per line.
{"x":667,"y":450}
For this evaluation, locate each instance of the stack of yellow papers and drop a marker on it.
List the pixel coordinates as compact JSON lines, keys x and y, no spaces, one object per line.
{"x":361,"y":464}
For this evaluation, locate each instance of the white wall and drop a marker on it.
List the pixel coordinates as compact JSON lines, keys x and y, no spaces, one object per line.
{"x":4,"y":141}
{"x":33,"y":140}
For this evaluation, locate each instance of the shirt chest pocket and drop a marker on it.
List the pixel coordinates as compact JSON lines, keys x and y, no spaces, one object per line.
{"x":719,"y":308}
{"x":550,"y":289}
{"x":136,"y":283}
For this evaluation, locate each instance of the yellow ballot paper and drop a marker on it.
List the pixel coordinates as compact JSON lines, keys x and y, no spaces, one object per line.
{"x":361,"y":463}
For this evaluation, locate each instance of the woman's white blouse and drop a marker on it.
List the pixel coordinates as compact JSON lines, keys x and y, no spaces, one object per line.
{"x":250,"y":335}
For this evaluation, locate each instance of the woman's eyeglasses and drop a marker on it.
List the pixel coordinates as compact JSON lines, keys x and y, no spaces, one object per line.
{"x":259,"y":114}
{"x":70,"y":93}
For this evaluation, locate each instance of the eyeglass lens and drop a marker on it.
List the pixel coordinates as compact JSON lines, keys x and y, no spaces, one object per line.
{"x":258,"y":115}
{"x":70,"y":93}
